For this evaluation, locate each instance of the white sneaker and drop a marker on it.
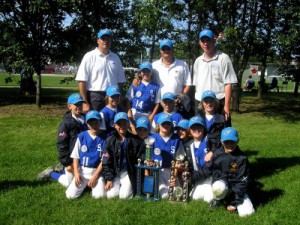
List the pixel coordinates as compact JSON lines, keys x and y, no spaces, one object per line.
{"x":45,"y":173}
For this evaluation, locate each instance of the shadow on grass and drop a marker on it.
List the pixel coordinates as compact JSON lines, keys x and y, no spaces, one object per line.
{"x":265,"y":167}
{"x":282,"y":104}
{"x":8,"y":185}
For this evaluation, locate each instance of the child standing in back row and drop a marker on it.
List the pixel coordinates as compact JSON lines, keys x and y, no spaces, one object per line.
{"x":112,"y":100}
{"x":168,"y":104}
{"x":144,"y":99}
{"x":73,"y":123}
{"x":214,"y":122}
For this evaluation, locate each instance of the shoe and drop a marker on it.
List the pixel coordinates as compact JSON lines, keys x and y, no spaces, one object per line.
{"x":214,"y":204}
{"x":59,"y":168}
{"x":46,"y":173}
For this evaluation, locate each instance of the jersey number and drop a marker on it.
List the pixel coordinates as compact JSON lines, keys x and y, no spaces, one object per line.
{"x":139,"y":104}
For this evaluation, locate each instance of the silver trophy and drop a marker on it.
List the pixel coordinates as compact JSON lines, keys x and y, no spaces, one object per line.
{"x":149,"y":146}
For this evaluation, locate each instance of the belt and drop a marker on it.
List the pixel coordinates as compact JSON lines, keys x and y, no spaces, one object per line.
{"x":100,"y":92}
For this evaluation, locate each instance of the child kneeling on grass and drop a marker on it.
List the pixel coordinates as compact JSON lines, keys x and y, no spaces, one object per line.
{"x":73,"y":123}
{"x":122,"y":150}
{"x":86,"y":156}
{"x":230,"y":168}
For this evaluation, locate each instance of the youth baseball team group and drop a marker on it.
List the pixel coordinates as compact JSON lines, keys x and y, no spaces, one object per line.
{"x":102,"y":135}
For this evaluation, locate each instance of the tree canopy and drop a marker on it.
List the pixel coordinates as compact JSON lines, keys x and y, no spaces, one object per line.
{"x":34,"y":32}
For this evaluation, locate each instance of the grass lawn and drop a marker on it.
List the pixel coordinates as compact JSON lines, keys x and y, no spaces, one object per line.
{"x":47,"y":80}
{"x":269,"y":135}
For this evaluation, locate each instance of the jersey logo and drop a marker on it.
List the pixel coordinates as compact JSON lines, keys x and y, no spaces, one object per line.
{"x":157,"y":151}
{"x":83,"y":148}
{"x":233,"y":167}
{"x":138,"y":94}
{"x":62,"y":134}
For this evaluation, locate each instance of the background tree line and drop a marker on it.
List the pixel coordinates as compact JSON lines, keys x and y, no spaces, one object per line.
{"x":34,"y":32}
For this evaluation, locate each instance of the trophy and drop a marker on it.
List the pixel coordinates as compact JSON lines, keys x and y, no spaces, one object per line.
{"x":178,"y":188}
{"x":147,"y":187}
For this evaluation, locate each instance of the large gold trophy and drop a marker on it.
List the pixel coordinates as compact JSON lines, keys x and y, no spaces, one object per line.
{"x":179,"y":179}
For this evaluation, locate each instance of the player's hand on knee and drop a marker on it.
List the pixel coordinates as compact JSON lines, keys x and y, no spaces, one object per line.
{"x":92,"y":182}
{"x":77,"y":180}
{"x":108,"y":185}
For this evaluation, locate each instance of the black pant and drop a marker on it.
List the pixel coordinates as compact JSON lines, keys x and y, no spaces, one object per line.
{"x":96,"y":99}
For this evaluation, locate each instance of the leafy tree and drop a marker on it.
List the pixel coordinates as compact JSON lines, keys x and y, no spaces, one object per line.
{"x":287,"y":44}
{"x":32,"y":31}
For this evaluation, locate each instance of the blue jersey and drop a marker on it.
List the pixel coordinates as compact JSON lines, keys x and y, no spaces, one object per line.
{"x":107,"y":115}
{"x":200,"y":153}
{"x":209,"y":123}
{"x":165,"y":151}
{"x":144,"y":97}
{"x":91,"y":149}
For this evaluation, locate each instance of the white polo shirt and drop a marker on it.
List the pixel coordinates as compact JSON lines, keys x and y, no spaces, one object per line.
{"x":100,"y":71}
{"x":213,"y":74}
{"x":172,"y":79}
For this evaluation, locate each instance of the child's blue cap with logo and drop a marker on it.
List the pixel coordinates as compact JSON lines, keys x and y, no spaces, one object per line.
{"x":196,"y":120}
{"x":113,"y":90}
{"x":93,"y":114}
{"x":143,"y":122}
{"x":229,"y":134}
{"x":164,"y":118}
{"x":75,"y":98}
{"x":120,"y":116}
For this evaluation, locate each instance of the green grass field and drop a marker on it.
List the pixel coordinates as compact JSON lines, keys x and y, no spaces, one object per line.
{"x":269,"y":135}
{"x":47,"y":80}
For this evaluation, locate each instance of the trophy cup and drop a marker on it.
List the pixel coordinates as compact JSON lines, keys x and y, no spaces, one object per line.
{"x":148,"y":186}
{"x":178,"y":190}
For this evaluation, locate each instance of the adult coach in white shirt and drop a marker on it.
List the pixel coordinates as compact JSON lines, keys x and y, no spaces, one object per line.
{"x":99,"y":69}
{"x":171,"y":74}
{"x":213,"y":71}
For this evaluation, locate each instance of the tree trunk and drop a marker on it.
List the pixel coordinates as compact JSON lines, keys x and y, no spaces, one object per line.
{"x":38,"y":90}
{"x":261,"y":85}
{"x":235,"y":98}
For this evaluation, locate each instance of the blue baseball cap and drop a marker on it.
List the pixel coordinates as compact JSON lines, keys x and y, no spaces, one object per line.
{"x":166,"y":42}
{"x":169,"y":95}
{"x":184,"y":124}
{"x":206,"y":33}
{"x":113,"y":90}
{"x":208,"y":94}
{"x":93,"y":114}
{"x":120,"y":116}
{"x":143,"y":122}
{"x":104,"y":32}
{"x":164,"y":118}
{"x":75,"y":98}
{"x":229,"y":134}
{"x":196,"y":120}
{"x":146,"y":65}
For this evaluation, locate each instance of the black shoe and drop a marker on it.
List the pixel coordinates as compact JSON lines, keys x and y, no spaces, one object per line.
{"x":214,"y":204}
